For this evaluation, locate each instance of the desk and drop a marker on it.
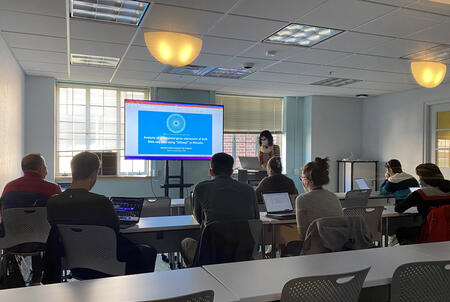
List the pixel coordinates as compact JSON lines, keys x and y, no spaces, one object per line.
{"x":164,"y":233}
{"x":375,"y":199}
{"x":263,"y":280}
{"x":440,"y":250}
{"x":142,"y":287}
{"x":272,"y":222}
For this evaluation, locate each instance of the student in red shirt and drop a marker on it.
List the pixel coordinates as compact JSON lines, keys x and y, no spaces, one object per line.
{"x":30,"y":190}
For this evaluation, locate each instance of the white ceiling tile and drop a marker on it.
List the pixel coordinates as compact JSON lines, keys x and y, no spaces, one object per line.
{"x":317,"y":56}
{"x":246,"y":28}
{"x":382,"y":86}
{"x":238,"y":62}
{"x":393,"y":2}
{"x":352,"y":42}
{"x":55,"y":8}
{"x":35,"y":42}
{"x":401,"y":23}
{"x":345,"y":14}
{"x":210,"y":60}
{"x":282,"y":51}
{"x":437,"y":34}
{"x":398,"y":48}
{"x":95,"y":48}
{"x":135,"y":75}
{"x":372,"y":75}
{"x":139,"y":53}
{"x":167,"y":77}
{"x":131,"y":82}
{"x":213,"y":5}
{"x":91,"y":74}
{"x":139,"y":65}
{"x":32,"y":24}
{"x":40,"y":56}
{"x":101,"y":31}
{"x":302,"y":69}
{"x":224,"y":46}
{"x":360,"y":61}
{"x":177,"y":19}
{"x":431,"y":6}
{"x":39,"y":66}
{"x":397,"y":65}
{"x":283,"y":78}
{"x":284,"y":10}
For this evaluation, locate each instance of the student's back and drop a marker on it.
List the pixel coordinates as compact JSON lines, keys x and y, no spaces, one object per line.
{"x":224,"y":199}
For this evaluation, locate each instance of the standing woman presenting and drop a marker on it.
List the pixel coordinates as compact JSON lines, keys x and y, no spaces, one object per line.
{"x":266,"y":148}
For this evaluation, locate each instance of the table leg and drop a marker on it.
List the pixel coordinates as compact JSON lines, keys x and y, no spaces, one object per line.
{"x":263,"y":247}
{"x":274,"y":247}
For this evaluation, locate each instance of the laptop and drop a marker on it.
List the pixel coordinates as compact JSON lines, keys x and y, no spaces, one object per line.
{"x":128,"y":210}
{"x":362,"y":184}
{"x":278,"y":206}
{"x":64,"y":185}
{"x":250,"y":163}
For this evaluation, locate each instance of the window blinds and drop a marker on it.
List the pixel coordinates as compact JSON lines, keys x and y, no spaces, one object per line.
{"x":248,"y":114}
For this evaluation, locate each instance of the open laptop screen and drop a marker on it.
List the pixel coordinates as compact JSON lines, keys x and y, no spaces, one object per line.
{"x":277,"y":202}
{"x":128,"y":209}
{"x":361,"y":183}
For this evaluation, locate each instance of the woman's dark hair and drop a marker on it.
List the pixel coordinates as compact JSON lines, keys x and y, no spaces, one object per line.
{"x":275,"y":165}
{"x":394,"y":165}
{"x":266,"y":134}
{"x":432,"y":176}
{"x":317,"y":171}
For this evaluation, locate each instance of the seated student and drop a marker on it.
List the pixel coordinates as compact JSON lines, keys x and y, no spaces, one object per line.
{"x":30,"y":190}
{"x":397,"y":182}
{"x":435,"y":192}
{"x":317,"y":202}
{"x":219,"y":199}
{"x":275,"y":182}
{"x":77,"y":205}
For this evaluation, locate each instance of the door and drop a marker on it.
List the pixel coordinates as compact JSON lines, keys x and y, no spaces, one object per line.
{"x":440,"y":137}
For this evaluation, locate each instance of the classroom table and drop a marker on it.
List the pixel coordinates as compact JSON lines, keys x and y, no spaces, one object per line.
{"x":440,"y":250}
{"x":141,"y":287}
{"x":263,"y":280}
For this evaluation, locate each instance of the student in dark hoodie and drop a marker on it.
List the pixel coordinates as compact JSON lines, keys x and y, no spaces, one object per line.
{"x":397,"y":182}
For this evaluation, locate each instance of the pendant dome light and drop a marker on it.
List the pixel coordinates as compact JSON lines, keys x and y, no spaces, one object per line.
{"x":428,"y":74}
{"x":173,"y":48}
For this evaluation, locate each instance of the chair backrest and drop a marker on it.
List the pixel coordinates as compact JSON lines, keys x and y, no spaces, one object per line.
{"x":228,"y":241}
{"x":91,"y":247}
{"x":344,"y":287}
{"x":356,"y":198}
{"x":421,"y":281}
{"x":24,"y":225}
{"x":204,"y":296}
{"x":372,"y":217}
{"x":437,"y":225}
{"x":159,"y":207}
{"x":188,"y":204}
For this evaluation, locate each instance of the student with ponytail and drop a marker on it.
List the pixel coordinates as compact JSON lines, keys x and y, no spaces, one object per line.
{"x":317,"y":202}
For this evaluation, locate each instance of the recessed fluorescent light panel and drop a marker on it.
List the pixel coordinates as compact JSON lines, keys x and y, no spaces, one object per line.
{"x":208,"y":71}
{"x":335,"y":82}
{"x":302,"y":35}
{"x":117,"y":11}
{"x":435,"y":54}
{"x":78,"y":59}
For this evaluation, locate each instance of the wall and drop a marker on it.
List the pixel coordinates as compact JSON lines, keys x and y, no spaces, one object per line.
{"x":39,"y":114}
{"x":12,"y":91}
{"x":393,"y":125}
{"x":335,"y":130}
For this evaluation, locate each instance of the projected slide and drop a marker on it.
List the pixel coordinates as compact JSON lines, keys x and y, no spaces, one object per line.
{"x":158,"y":130}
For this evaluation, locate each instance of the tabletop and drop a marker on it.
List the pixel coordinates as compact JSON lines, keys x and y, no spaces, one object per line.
{"x":141,"y":287}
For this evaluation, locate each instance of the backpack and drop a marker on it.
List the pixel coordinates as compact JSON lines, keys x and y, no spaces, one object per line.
{"x":437,"y":226}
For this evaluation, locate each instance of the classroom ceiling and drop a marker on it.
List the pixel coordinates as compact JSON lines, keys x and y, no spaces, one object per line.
{"x":377,"y":35}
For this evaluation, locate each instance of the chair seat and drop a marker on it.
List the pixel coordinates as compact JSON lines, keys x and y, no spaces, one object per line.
{"x":26,"y":249}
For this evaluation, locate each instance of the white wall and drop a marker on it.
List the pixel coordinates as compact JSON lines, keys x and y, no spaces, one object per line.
{"x":335,"y":130}
{"x":12,"y":81}
{"x":39,"y":119}
{"x":393,"y":125}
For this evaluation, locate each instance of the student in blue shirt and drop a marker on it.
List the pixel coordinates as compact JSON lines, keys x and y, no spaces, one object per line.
{"x":397,"y":182}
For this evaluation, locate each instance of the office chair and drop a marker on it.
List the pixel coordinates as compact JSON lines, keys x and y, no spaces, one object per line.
{"x":344,"y":287}
{"x":372,"y":217}
{"x":356,"y":198}
{"x":204,"y":296}
{"x":159,"y":207}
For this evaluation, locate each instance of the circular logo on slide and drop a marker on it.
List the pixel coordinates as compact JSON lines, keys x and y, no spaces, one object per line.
{"x":176,"y":123}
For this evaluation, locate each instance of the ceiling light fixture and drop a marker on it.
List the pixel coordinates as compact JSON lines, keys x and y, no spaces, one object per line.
{"x":302,"y":35}
{"x":79,"y":59}
{"x":335,"y":82}
{"x":428,"y":74}
{"x":117,"y":11}
{"x":173,"y":48}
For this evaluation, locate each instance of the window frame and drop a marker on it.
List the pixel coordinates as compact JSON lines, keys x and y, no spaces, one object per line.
{"x":120,"y":124}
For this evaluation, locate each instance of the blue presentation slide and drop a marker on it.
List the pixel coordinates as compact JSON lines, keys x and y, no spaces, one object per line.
{"x":172,"y":133}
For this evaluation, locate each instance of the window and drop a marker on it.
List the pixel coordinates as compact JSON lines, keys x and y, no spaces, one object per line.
{"x":240,"y":144}
{"x":443,"y":139}
{"x":92,"y":118}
